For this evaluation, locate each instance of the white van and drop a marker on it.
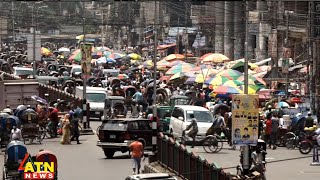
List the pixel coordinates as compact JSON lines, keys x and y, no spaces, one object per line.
{"x":180,"y":119}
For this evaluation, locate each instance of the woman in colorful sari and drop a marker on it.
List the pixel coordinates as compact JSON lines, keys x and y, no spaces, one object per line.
{"x":66,"y":130}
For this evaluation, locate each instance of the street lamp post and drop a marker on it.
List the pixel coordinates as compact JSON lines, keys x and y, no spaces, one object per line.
{"x":38,"y":15}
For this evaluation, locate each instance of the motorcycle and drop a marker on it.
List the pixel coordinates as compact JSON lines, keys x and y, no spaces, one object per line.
{"x":307,"y":144}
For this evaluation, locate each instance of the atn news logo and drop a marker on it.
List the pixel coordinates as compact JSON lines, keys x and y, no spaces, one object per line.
{"x":36,"y":170}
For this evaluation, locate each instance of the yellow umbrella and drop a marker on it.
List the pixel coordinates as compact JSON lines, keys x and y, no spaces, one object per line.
{"x":214,"y":58}
{"x":45,"y":51}
{"x":80,"y":37}
{"x":134,"y":62}
{"x":250,"y":90}
{"x":134,"y":56}
{"x":200,"y":78}
{"x":174,"y":57}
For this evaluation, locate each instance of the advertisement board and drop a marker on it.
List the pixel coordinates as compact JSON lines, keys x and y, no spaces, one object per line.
{"x":86,"y":50}
{"x":245,"y":119}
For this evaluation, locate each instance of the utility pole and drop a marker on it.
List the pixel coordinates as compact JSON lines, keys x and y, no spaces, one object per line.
{"x":103,"y":28}
{"x":154,"y":122}
{"x":186,"y":33}
{"x":84,"y":102}
{"x":178,"y":38}
{"x":12,"y":18}
{"x":140,"y":25}
{"x":285,"y":58}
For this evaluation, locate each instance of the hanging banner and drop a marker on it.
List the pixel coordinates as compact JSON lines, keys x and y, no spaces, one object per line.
{"x":245,"y":119}
{"x":86,"y":50}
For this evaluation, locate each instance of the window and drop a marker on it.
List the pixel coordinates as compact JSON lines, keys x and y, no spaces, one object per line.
{"x":144,"y":125}
{"x":96,"y":97}
{"x":115,"y":125}
{"x":201,"y":116}
{"x":133,"y":125}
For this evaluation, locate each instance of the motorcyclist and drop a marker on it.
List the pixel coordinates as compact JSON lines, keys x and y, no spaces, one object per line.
{"x":193,"y":132}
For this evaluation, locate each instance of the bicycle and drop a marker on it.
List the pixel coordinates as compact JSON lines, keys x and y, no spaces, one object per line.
{"x":46,"y":131}
{"x":291,"y":140}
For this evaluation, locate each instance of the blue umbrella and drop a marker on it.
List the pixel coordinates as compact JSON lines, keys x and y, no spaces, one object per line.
{"x":283,"y":104}
{"x":105,"y":60}
{"x":190,"y":80}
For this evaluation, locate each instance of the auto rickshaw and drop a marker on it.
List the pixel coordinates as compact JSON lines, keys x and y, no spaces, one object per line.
{"x":114,"y":107}
{"x":14,"y":154}
{"x":48,"y":156}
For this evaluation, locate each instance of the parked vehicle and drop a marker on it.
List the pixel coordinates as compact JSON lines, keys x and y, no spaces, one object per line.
{"x":96,"y":97}
{"x":180,"y":119}
{"x":117,"y":134}
{"x":22,"y":72}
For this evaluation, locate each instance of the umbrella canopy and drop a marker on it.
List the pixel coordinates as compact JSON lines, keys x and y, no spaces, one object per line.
{"x":190,"y":80}
{"x":255,"y":79}
{"x":114,"y":56}
{"x":183,"y":67}
{"x":239,"y":66}
{"x":262,"y":68}
{"x":134,"y":56}
{"x":283,"y":104}
{"x":252,"y":89}
{"x":39,"y":99}
{"x":214,"y":58}
{"x":232,"y":83}
{"x":178,"y":75}
{"x":230,"y":73}
{"x":174,"y":57}
{"x":227,"y":90}
{"x":148,"y":64}
{"x":123,"y":76}
{"x":173,"y":63}
{"x":64,"y":49}
{"x":207,"y":72}
{"x":104,"y":60}
{"x":200,"y":78}
{"x":45,"y":51}
{"x":216,"y":81}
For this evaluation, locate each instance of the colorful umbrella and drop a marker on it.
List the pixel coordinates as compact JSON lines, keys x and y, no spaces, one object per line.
{"x":227,"y":90}
{"x":148,"y":64}
{"x":190,"y":80}
{"x":207,"y":72}
{"x":123,"y":76}
{"x":174,"y":57}
{"x":231,"y":83}
{"x":178,"y":75}
{"x":230,"y":73}
{"x":45,"y":51}
{"x":255,"y":79}
{"x":239,"y":66}
{"x":214,"y":58}
{"x":216,"y":80}
{"x":105,"y":60}
{"x":96,"y":53}
{"x":163,"y":63}
{"x":76,"y":56}
{"x":134,"y":56}
{"x":200,"y":78}
{"x":173,"y":63}
{"x":252,"y":89}
{"x":115,"y":56}
{"x":183,"y":67}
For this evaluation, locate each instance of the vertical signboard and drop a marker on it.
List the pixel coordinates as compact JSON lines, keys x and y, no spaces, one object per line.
{"x":86,"y":50}
{"x":245,"y":119}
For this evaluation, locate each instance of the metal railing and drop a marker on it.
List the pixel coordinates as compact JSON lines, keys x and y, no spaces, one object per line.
{"x":183,"y":161}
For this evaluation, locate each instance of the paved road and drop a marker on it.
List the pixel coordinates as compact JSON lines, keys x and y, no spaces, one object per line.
{"x":84,"y":161}
{"x":282,"y":163}
{"x":87,"y":161}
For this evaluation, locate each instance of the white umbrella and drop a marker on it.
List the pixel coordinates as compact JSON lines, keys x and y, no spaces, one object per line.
{"x":64,"y":49}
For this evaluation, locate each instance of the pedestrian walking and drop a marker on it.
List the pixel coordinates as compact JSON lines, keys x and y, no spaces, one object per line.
{"x":66,"y":132}
{"x":268,"y":128}
{"x":137,"y":152}
{"x":75,"y":128}
{"x":274,"y":129}
{"x":16,"y":134}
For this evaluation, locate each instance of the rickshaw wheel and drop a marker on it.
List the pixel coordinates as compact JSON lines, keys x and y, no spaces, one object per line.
{"x":31,"y":140}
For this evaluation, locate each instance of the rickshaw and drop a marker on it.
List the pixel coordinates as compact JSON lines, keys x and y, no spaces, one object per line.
{"x":6,"y":122}
{"x":14,"y":154}
{"x":114,"y":107}
{"x":30,"y":128}
{"x":48,"y":156}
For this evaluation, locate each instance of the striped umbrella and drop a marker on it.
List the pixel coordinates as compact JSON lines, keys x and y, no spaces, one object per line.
{"x":253,"y":78}
{"x":252,"y":89}
{"x":216,"y":80}
{"x":230,"y":73}
{"x":190,"y":80}
{"x":173,"y":63}
{"x":183,"y":67}
{"x":178,"y":75}
{"x":227,"y":90}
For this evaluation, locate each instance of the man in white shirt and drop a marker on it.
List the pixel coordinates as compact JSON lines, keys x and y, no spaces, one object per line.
{"x":16,"y":134}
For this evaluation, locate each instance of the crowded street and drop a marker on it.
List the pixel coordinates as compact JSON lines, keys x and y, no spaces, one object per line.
{"x":159,"y":90}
